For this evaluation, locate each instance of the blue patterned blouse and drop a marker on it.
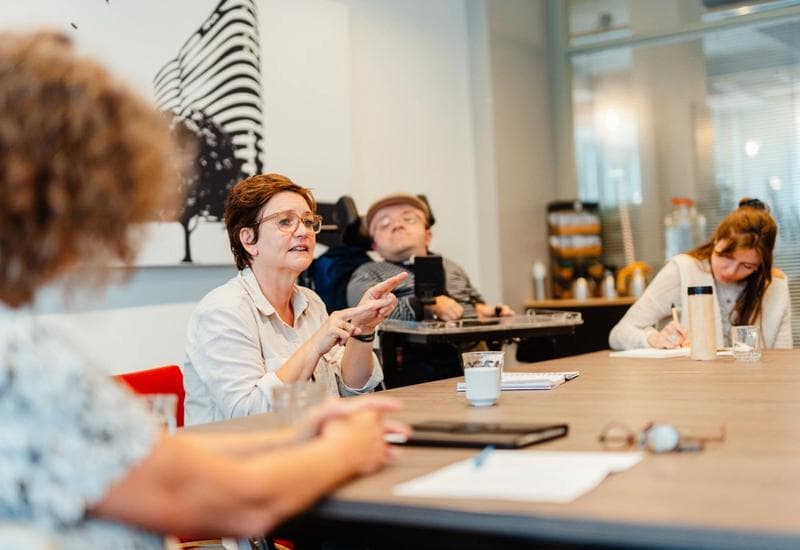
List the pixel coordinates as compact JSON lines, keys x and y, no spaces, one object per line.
{"x":67,"y":432}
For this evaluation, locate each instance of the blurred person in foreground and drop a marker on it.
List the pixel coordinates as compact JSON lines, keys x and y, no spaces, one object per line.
{"x":81,"y":458}
{"x":737,"y":263}
{"x":260,"y":330}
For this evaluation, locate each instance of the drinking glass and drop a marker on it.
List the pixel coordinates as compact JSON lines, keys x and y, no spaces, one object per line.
{"x":746,"y":342}
{"x":164,"y":406}
{"x":483,"y":371}
{"x":290,"y":401}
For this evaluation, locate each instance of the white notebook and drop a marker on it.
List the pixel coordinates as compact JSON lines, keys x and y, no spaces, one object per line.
{"x":654,"y":353}
{"x":651,"y":353}
{"x":530,"y":380}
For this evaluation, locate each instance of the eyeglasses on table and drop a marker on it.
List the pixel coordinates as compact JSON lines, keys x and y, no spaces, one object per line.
{"x":656,"y":438}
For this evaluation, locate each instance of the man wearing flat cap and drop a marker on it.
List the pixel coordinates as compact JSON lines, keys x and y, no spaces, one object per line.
{"x":400,"y":228}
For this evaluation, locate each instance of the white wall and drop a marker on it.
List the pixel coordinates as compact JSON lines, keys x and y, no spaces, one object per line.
{"x":524,"y":163}
{"x":127,"y":339}
{"x":370,"y":97}
{"x":306,"y":65}
{"x":412,"y":119}
{"x":135,"y":325}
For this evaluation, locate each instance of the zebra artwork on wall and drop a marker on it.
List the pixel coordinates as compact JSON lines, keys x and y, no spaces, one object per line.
{"x":212,"y":90}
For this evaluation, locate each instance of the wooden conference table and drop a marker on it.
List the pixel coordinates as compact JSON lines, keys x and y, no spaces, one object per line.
{"x":741,"y":493}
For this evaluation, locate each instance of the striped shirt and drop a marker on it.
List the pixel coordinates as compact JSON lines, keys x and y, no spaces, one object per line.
{"x":457,"y":285}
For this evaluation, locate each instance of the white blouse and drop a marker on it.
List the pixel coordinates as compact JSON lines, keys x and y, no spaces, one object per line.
{"x":236,"y":341}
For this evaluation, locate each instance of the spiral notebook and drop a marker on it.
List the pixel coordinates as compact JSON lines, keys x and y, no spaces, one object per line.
{"x":530,"y":380}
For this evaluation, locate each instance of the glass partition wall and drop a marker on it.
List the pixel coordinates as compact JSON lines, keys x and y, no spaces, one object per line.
{"x":687,"y":98}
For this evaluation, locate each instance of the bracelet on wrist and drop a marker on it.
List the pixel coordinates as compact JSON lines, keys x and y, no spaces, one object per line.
{"x":365,"y":337}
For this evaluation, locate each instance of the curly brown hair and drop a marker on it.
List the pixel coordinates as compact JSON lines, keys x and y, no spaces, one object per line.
{"x":750,"y":226}
{"x":244,"y":204}
{"x":81,"y":159}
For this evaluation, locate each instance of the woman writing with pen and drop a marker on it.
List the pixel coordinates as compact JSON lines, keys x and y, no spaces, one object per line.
{"x":737,"y":262}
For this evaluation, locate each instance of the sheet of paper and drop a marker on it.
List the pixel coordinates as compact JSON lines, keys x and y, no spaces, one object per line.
{"x":530,"y":380}
{"x":654,"y":353}
{"x":537,"y":476}
{"x":651,"y":353}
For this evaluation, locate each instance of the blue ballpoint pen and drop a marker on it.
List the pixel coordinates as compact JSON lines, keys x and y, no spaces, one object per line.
{"x":481,"y":457}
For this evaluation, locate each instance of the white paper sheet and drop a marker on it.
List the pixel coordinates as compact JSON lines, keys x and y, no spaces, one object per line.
{"x":655,"y":353}
{"x":651,"y":353}
{"x":538,"y":476}
{"x":530,"y":380}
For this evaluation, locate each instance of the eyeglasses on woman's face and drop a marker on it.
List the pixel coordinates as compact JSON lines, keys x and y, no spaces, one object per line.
{"x":288,"y":221}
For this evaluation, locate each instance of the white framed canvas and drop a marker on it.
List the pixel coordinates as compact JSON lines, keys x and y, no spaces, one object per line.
{"x":199,"y":62}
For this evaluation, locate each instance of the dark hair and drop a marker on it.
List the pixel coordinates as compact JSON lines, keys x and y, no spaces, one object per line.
{"x":753,"y":203}
{"x":244,"y":204}
{"x":81,"y":159}
{"x":748,"y":227}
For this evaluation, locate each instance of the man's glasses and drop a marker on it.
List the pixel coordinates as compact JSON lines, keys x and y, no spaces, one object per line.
{"x":657,"y":438}
{"x":408,"y":218}
{"x":288,"y":221}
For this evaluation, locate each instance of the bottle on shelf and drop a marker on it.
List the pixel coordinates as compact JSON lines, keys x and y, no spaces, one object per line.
{"x":580,"y":288}
{"x":638,"y":283}
{"x":632,"y":279}
{"x":609,"y":283}
{"x":539,"y":272}
{"x":684,"y":227}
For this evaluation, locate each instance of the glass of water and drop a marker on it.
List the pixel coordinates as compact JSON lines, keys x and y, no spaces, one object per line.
{"x":483,"y":372}
{"x":746,"y":342}
{"x":290,"y":401}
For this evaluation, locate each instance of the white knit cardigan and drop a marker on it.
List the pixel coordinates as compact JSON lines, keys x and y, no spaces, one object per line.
{"x":775,"y":307}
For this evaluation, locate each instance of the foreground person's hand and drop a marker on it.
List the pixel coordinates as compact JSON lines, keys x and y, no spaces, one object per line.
{"x":336,"y":408}
{"x":360,"y":438}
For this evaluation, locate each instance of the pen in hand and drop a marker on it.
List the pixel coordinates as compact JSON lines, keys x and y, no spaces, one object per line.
{"x":481,"y":457}
{"x":680,"y":332}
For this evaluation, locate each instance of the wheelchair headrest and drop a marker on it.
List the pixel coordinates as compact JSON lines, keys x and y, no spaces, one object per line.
{"x":341,"y":224}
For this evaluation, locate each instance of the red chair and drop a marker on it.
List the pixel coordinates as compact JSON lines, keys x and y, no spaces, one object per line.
{"x":168,"y":379}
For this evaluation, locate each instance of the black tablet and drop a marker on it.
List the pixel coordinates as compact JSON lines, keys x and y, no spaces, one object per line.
{"x":473,"y":322}
{"x":480,"y":434}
